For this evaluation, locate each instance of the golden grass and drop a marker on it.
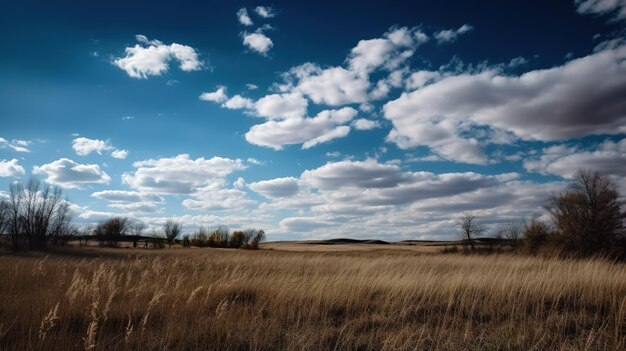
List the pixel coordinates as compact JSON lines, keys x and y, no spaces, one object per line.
{"x":186,"y":299}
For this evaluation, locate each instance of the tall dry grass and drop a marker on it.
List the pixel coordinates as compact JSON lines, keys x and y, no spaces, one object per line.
{"x":244,"y":300}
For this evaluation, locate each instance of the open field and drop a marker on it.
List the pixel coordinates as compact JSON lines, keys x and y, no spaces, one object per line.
{"x":367,"y":299}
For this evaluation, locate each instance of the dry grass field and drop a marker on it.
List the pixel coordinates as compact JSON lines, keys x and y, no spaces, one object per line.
{"x":325,"y":299}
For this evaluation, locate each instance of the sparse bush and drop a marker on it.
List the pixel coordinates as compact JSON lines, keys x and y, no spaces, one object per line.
{"x":219,"y":237}
{"x":588,"y":215}
{"x":172,"y":229}
{"x":200,"y":237}
{"x":186,"y":241}
{"x":34,"y":213}
{"x":136,"y":229}
{"x":112,"y":230}
{"x":469,"y":229}
{"x":536,"y":235}
{"x":257,"y":237}
{"x":237,"y":239}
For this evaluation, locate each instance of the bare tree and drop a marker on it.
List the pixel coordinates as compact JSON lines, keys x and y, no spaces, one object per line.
{"x":112,"y":230}
{"x":256,"y":239}
{"x":136,"y":229}
{"x":4,"y":215}
{"x":172,"y":229}
{"x":513,"y":232}
{"x":220,"y":237}
{"x":35,"y":213}
{"x":469,"y":228}
{"x":588,"y":215}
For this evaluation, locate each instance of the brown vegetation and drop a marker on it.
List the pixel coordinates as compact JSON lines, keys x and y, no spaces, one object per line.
{"x":187,"y":299}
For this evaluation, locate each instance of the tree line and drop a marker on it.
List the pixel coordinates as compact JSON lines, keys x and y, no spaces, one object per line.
{"x":36,"y":214}
{"x":587,"y":219}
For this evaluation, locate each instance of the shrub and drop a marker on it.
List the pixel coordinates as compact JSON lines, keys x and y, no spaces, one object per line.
{"x":172,"y":229}
{"x":111,"y":230}
{"x":536,"y":235}
{"x":588,"y":215}
{"x":219,"y":237}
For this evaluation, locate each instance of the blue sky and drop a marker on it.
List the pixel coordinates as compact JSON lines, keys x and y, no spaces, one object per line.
{"x":312,"y":119}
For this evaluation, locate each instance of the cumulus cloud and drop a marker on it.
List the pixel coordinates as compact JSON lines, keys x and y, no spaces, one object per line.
{"x":238,"y":102}
{"x":85,"y":146}
{"x":389,"y":52}
{"x":356,"y":197}
{"x":281,"y":106}
{"x":451,"y":35}
{"x":131,"y":201}
{"x":608,"y":157}
{"x":152,"y":58}
{"x":332,"y":86}
{"x":243,"y":17}
{"x":218,"y":95}
{"x":214,"y":197}
{"x":16,"y":145}
{"x":264,"y":11}
{"x":11,"y":168}
{"x":258,"y":42}
{"x":276,"y":188}
{"x":614,"y":8}
{"x":325,"y":126}
{"x":119,"y":154}
{"x":179,"y":174}
{"x":365,"y":124}
{"x":585,"y":96}
{"x":420,"y":78}
{"x":125,"y":196}
{"x":72,"y":175}
{"x":286,"y":107}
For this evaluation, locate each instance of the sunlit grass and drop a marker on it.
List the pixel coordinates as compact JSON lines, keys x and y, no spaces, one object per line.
{"x":239,"y":300}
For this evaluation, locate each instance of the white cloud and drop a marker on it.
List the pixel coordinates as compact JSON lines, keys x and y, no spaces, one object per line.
{"x":332,"y":86}
{"x":125,"y":196}
{"x":420,"y":78}
{"x":238,"y":102}
{"x":240,"y":183}
{"x":583,"y":97}
{"x":152,"y":57}
{"x":214,"y":197}
{"x":11,"y":168}
{"x":130,"y":201}
{"x":218,"y":95}
{"x":179,"y":174}
{"x":451,"y":35}
{"x":119,"y":154}
{"x":136,"y":207}
{"x":68,"y":174}
{"x":264,"y":11}
{"x":389,"y":52}
{"x":276,"y":188}
{"x":85,"y":146}
{"x":251,"y":86}
{"x":325,"y":126}
{"x":615,"y":8}
{"x":608,"y":158}
{"x":365,"y":124}
{"x":254,"y":161}
{"x":283,"y":106}
{"x":372,"y":199}
{"x":258,"y":42}
{"x":243,"y":17}
{"x":16,"y":145}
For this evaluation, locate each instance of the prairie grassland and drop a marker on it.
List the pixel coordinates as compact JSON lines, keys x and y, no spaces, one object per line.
{"x":187,"y":299}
